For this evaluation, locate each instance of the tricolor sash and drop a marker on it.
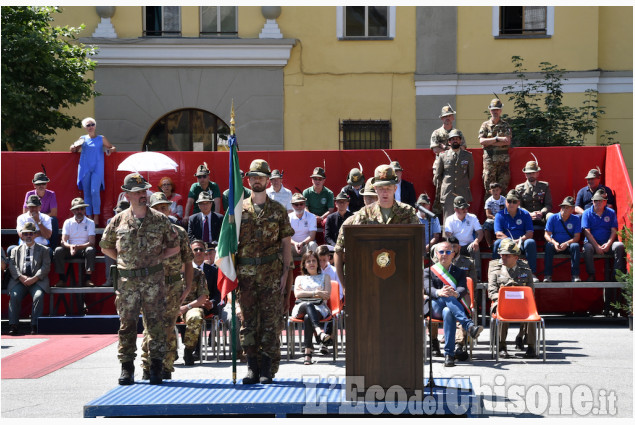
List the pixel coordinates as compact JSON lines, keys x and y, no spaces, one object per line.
{"x":444,"y":275}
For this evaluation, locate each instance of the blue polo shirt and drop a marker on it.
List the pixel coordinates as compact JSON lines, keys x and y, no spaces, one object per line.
{"x":517,"y":226}
{"x":557,"y":227}
{"x":583,"y":200}
{"x":600,"y":227}
{"x":435,"y":227}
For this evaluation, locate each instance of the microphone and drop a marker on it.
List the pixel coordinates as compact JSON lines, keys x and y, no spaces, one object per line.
{"x":426,"y":211}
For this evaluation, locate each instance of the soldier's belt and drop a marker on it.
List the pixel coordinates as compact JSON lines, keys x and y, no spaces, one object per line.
{"x":174,"y":278}
{"x":257,"y":260}
{"x":143,"y":272}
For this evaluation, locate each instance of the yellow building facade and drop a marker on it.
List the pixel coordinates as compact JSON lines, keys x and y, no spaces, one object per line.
{"x":297,"y":77}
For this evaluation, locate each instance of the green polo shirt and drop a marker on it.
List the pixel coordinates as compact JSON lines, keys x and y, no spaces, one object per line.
{"x":196,"y":189}
{"x":319,"y":203}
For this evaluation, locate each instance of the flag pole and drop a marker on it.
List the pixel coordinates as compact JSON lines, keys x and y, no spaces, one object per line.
{"x":232,"y":132}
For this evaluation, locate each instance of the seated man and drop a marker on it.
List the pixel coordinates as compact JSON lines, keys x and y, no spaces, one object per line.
{"x":278,"y":192}
{"x":369,"y":193}
{"x":467,"y":265}
{"x":204,"y":225}
{"x":463,"y":226}
{"x":562,"y":235}
{"x":535,"y":196}
{"x":225,"y":197}
{"x":599,"y":224}
{"x":29,"y":267}
{"x":203,"y":184}
{"x":509,"y":271}
{"x":319,"y":198}
{"x":493,"y":205}
{"x":405,"y":190}
{"x":355,"y":181}
{"x":335,"y":220}
{"x":435,"y":227}
{"x":49,"y":204}
{"x":515,"y":222}
{"x":448,"y":287}
{"x":304,"y":224}
{"x":583,"y":200}
{"x":193,"y":315}
{"x":78,"y":241}
{"x":43,"y":225}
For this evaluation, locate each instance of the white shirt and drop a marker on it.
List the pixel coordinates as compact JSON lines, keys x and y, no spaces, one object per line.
{"x":332,"y":273}
{"x":25,"y":218}
{"x":398,"y":192}
{"x":78,"y":233}
{"x":303,"y":226}
{"x":283,"y":196}
{"x":462,"y":230}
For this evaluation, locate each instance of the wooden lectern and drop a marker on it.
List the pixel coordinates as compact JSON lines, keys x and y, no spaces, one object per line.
{"x":384,"y":306}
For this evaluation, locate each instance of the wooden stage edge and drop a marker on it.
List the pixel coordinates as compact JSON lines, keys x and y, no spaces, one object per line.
{"x":285,"y":397}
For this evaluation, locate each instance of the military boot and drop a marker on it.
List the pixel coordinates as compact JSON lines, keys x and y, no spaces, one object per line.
{"x":156,"y":372}
{"x":188,"y":356}
{"x":265,"y":369}
{"x":127,"y":374}
{"x":252,"y":376}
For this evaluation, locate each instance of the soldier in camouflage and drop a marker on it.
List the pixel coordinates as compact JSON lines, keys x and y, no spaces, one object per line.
{"x":265,"y":237}
{"x":176,"y":288}
{"x":495,"y":136}
{"x":439,"y":142}
{"x":140,"y":239}
{"x":509,"y":271}
{"x":385,"y":211}
{"x":193,"y":314}
{"x":535,"y":196}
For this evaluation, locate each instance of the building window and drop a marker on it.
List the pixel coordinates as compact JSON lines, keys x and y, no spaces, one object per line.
{"x":366,"y":22}
{"x":187,"y":130}
{"x":522,"y":21}
{"x":219,"y":21}
{"x":371,"y":134}
{"x":162,"y":21}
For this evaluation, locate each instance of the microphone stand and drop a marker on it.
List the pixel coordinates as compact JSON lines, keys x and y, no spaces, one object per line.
{"x":429,"y":216}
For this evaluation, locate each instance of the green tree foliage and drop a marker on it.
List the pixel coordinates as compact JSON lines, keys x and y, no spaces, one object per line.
{"x":626,"y":235}
{"x":43,"y":73}
{"x":541,"y":119}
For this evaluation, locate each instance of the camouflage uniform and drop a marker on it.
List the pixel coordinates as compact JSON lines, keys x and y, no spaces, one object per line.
{"x":139,"y":243}
{"x":400,"y":214}
{"x":258,"y":290}
{"x":194,"y":317}
{"x":499,"y":276}
{"x":452,"y":174}
{"x":174,"y":287}
{"x":535,"y":198}
{"x":496,"y":158}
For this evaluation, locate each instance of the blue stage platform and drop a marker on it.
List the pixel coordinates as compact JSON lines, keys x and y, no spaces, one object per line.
{"x":285,"y":397}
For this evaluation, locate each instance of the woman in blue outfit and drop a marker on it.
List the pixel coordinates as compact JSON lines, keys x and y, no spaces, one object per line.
{"x":90,"y":173}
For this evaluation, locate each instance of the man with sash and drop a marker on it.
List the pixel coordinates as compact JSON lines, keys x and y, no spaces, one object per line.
{"x":447,"y":285}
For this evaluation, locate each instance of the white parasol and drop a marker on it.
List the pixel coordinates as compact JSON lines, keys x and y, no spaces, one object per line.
{"x":147,"y":161}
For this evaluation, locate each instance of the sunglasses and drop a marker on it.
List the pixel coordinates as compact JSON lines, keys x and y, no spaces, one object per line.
{"x":80,"y":208}
{"x":202,"y":177}
{"x":198,"y":250}
{"x":90,"y":125}
{"x":513,"y":201}
{"x":448,"y":252}
{"x":299,"y":204}
{"x":318,"y":179}
{"x":27,"y":233}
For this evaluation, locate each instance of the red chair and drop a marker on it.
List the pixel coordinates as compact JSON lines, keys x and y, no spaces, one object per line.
{"x":335,"y":307}
{"x":470,"y":341}
{"x":516,"y":304}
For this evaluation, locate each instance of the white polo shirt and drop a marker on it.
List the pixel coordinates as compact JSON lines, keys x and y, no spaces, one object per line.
{"x":45,"y":219}
{"x":303,"y":226}
{"x":78,"y":233}
{"x":283,"y":196}
{"x":464,"y":229}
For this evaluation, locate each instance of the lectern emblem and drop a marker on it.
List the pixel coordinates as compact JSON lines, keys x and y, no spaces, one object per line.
{"x":384,"y":263}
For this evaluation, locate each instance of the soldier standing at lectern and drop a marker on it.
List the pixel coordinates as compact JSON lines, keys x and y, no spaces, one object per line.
{"x":385,"y":211}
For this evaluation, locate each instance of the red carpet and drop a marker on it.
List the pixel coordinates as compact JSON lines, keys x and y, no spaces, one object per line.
{"x":52,"y":354}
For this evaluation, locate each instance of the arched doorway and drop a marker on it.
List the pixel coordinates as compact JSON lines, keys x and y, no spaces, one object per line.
{"x":187,"y":130}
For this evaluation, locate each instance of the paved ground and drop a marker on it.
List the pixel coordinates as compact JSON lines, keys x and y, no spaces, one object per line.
{"x":589,"y":372}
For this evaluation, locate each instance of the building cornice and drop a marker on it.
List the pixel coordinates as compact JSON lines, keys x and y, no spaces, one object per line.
{"x":167,"y":52}
{"x":481,"y":84}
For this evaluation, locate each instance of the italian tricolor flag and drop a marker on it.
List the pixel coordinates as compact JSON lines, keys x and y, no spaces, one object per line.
{"x":228,"y":239}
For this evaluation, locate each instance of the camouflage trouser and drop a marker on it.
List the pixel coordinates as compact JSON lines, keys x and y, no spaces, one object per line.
{"x":496,"y":171}
{"x":173,"y":293}
{"x":194,"y":319}
{"x":135,"y":294}
{"x":261,"y":303}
